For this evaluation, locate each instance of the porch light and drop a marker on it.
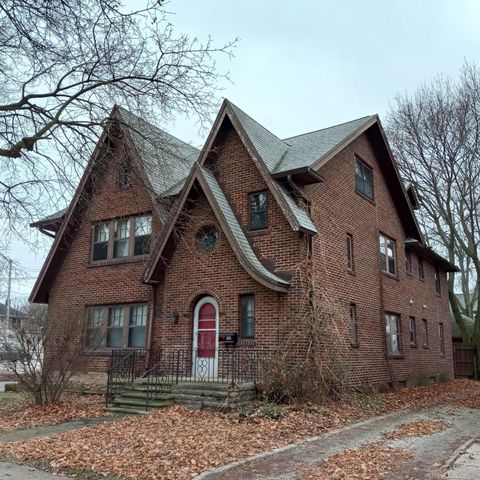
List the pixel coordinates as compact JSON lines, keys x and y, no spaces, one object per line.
{"x":174,"y":317}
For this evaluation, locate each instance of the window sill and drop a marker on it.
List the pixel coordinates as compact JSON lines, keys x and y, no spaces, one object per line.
{"x":351,"y":272}
{"x":391,"y":276}
{"x":413,"y":345}
{"x":409,"y":274}
{"x":355,"y":345}
{"x":396,"y":356}
{"x":360,"y":194}
{"x":260,"y":231}
{"x":426,"y":347}
{"x":118,"y":261}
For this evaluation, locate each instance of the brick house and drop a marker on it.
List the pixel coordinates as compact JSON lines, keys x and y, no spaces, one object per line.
{"x":167,"y":247}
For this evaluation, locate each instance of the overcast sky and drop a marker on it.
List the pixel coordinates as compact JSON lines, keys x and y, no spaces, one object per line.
{"x":304,"y":65}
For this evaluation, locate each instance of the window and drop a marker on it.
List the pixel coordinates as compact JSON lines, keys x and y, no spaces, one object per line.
{"x":247,"y":316}
{"x":94,"y":327}
{"x":425,"y":332}
{"x":116,"y":326}
{"x":350,"y":262}
{"x":121,"y":238}
{"x":387,"y":255}
{"x":137,"y":326}
{"x":412,"y":328}
{"x":363,"y":179}
{"x":408,"y":262}
{"x":143,"y":229}
{"x":392,"y":326}
{"x":421,"y":273}
{"x":100,"y":242}
{"x":353,"y":325}
{"x":257,"y":217}
{"x":207,"y":238}
{"x":112,"y":240}
{"x":441,"y":338}
{"x":438,"y":282}
{"x":124,"y":173}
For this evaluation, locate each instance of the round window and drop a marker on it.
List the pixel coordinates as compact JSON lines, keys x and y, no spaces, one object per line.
{"x":207,"y":238}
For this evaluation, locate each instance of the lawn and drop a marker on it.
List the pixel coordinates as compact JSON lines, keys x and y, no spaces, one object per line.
{"x":176,"y":443}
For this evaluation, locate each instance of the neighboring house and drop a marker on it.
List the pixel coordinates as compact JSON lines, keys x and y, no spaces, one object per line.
{"x":166,"y":247}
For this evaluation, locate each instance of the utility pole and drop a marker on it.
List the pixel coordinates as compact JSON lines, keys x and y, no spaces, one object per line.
{"x":9,"y":286}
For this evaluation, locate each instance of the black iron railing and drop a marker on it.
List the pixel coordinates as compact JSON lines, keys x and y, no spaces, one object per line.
{"x":162,"y":368}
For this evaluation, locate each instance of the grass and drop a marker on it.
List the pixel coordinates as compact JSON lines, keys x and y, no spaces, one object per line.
{"x":10,"y":398}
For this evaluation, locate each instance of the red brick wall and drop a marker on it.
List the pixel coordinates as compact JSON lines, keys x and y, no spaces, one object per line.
{"x":79,"y":283}
{"x":338,"y":210}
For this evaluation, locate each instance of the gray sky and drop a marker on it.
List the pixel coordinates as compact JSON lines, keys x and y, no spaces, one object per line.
{"x":305,"y":65}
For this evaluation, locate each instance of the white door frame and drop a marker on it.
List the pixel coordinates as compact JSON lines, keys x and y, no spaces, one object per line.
{"x":211,"y":363}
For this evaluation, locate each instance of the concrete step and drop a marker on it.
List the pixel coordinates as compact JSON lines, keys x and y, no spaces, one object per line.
{"x":201,"y":386}
{"x":131,"y":411}
{"x":131,"y":402}
{"x":159,"y":395}
{"x":179,"y":393}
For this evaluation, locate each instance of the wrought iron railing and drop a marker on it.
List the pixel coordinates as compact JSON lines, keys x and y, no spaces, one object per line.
{"x":162,"y":368}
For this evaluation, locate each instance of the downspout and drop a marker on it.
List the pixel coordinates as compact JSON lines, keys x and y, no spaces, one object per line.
{"x":153,"y":296}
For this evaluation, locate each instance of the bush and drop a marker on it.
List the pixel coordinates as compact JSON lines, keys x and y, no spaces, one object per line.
{"x":272,"y":411}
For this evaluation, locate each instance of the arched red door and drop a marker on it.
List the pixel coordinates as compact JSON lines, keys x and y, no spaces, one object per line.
{"x":205,"y":339}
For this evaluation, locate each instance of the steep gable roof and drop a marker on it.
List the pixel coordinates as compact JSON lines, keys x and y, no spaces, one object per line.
{"x":232,"y":229}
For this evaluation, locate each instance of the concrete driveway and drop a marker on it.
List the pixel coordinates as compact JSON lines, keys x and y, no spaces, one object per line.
{"x":432,"y":454}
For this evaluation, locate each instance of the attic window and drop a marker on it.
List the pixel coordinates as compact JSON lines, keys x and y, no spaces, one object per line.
{"x":257,"y":211}
{"x":124,"y":173}
{"x":363,"y":179}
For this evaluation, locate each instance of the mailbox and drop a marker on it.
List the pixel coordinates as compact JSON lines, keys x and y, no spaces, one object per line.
{"x":228,"y":338}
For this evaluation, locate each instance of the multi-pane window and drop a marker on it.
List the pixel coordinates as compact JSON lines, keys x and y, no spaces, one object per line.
{"x":124,"y":173}
{"x":421,"y":273}
{"x":425,"y":332}
{"x":363,"y":179}
{"x":121,"y":238}
{"x":441,"y":338}
{"x":353,"y":325}
{"x":392,"y":330}
{"x":408,"y":262}
{"x":412,"y":328}
{"x":116,"y":316}
{"x":387,"y":255}
{"x":116,"y":326}
{"x":350,"y":259}
{"x":143,"y":229}
{"x":257,"y":211}
{"x":138,"y":325}
{"x":114,"y":239}
{"x":247,"y":316}
{"x":438,"y":281}
{"x":100,"y":242}
{"x":94,"y":327}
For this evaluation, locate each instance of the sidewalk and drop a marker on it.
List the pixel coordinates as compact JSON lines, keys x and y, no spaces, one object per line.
{"x":467,"y":464}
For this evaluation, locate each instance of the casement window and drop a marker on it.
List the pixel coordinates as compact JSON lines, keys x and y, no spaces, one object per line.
{"x":425,"y":332}
{"x":438,"y":282}
{"x":412,"y":329}
{"x":387,"y":255}
{"x":258,"y":211}
{"x":350,"y":258}
{"x":441,"y":338}
{"x":116,"y":326}
{"x":353,"y":325}
{"x":392,"y":330}
{"x":247,"y":316}
{"x":122,"y":238}
{"x":124,"y":173}
{"x":421,"y":273}
{"x":408,"y":262}
{"x":363,"y":179}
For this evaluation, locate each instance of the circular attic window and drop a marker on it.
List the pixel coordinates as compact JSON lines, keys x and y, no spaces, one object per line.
{"x":207,"y":238}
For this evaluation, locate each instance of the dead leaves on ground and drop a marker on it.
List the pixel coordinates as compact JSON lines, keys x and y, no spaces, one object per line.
{"x":369,"y":462}
{"x":22,"y":415}
{"x":416,"y":429}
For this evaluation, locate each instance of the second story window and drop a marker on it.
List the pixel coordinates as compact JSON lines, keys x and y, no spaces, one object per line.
{"x":123,"y":238}
{"x":387,"y":255}
{"x":438,"y":282}
{"x":363,"y":179}
{"x":441,"y":338}
{"x":257,"y":211}
{"x":350,"y":262}
{"x":124,"y":174}
{"x":392,"y":330}
{"x":353,"y":325}
{"x":425,"y":332}
{"x":408,"y":262}
{"x":412,"y":328}
{"x":421,"y":273}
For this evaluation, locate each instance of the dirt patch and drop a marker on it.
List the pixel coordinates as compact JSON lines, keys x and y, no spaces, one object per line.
{"x":21,"y":415}
{"x":369,"y":462}
{"x":416,"y":429}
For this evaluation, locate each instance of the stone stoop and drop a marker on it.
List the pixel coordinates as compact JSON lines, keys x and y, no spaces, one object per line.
{"x":215,"y":396}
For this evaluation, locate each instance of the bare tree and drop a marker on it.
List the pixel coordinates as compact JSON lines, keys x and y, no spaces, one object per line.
{"x":63,"y":65}
{"x":435,"y":135}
